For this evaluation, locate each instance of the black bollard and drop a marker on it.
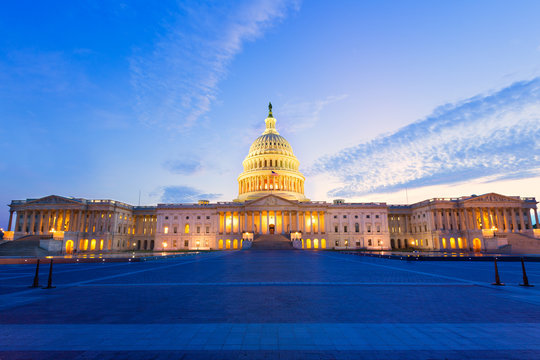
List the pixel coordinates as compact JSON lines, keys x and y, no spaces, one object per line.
{"x":49,"y":282}
{"x":35,"y":284}
{"x":497,"y":279}
{"x":525,"y":278}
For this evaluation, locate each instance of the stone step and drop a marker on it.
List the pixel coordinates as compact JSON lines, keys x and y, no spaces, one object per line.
{"x":271,"y":242}
{"x":25,"y":246}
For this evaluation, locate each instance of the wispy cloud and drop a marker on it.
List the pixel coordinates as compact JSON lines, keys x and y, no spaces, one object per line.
{"x":183,"y":166}
{"x":185,"y":194}
{"x":176,"y":83}
{"x":488,"y":135}
{"x":298,"y":116}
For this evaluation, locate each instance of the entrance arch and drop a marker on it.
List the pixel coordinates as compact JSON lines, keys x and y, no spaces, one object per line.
{"x":69,"y":247}
{"x":308,"y":244}
{"x":220,"y":244}
{"x":235,"y":244}
{"x":315,"y":243}
{"x":228,"y":244}
{"x":272,"y":228}
{"x":323,"y":243}
{"x":452,"y":243}
{"x":477,"y":245}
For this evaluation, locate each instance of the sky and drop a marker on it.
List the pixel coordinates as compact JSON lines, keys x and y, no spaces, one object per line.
{"x":388,"y":101}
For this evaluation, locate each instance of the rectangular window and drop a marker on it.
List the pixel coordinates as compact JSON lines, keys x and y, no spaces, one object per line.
{"x":208,"y":218}
{"x":337,"y":242}
{"x":358,"y":244}
{"x":344,"y":216}
{"x":336,"y":228}
{"x":175,"y":229}
{"x":378,"y":228}
{"x":198,"y":217}
{"x":376,"y":216}
{"x":369,"y":242}
{"x":345,"y":228}
{"x":166,"y":218}
{"x":346,"y":243}
{"x":198,"y":229}
{"x":186,"y":243}
{"x":208,"y":229}
{"x":369,"y":228}
{"x":166,"y":230}
{"x":174,"y":243}
{"x":367,"y":216}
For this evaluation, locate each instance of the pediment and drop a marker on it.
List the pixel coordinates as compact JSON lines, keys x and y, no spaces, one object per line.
{"x":492,"y":197}
{"x":271,"y":200}
{"x":54,"y":199}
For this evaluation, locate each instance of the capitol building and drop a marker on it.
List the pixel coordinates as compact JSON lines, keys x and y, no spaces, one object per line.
{"x":272,"y":211}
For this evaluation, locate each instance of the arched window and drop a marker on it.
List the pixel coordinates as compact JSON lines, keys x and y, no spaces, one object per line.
{"x":356,"y":227}
{"x":186,"y":229}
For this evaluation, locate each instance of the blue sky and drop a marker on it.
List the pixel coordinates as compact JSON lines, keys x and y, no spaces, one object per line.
{"x":103,"y":99}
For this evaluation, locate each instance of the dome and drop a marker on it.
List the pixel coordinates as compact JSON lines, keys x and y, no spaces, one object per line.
{"x":271,"y":167}
{"x":270,"y":144}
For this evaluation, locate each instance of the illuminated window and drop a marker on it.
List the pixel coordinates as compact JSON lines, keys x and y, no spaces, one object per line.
{"x":166,"y":229}
{"x":186,"y":229}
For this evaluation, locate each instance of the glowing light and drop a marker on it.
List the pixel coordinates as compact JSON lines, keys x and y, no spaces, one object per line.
{"x":164,"y":244}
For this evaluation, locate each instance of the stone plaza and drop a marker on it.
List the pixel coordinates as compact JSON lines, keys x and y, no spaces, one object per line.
{"x":271,"y":304}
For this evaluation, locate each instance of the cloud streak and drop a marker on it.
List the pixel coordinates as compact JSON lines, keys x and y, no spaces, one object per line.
{"x":183,"y":166}
{"x":496,"y":135}
{"x":185,"y":194}
{"x":303,"y":115}
{"x":176,"y":84}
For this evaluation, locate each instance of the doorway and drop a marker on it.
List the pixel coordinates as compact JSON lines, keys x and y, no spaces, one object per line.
{"x":272,"y":228}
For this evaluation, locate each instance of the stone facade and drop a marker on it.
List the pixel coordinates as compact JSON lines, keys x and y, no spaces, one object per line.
{"x":271,"y":201}
{"x":490,"y":222}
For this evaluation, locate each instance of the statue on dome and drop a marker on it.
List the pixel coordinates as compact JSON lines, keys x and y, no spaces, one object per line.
{"x":270,"y":109}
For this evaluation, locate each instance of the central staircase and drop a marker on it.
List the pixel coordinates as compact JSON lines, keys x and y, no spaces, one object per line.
{"x":271,"y":242}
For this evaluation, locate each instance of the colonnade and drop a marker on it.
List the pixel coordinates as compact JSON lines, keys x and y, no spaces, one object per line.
{"x":261,"y":221}
{"x":271,"y":182}
{"x":506,"y":219}
{"x":35,"y":222}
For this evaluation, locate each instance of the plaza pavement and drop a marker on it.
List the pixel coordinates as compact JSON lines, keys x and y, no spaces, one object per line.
{"x":271,"y":305}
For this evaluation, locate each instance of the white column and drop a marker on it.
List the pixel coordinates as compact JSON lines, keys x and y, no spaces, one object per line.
{"x":521,"y":219}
